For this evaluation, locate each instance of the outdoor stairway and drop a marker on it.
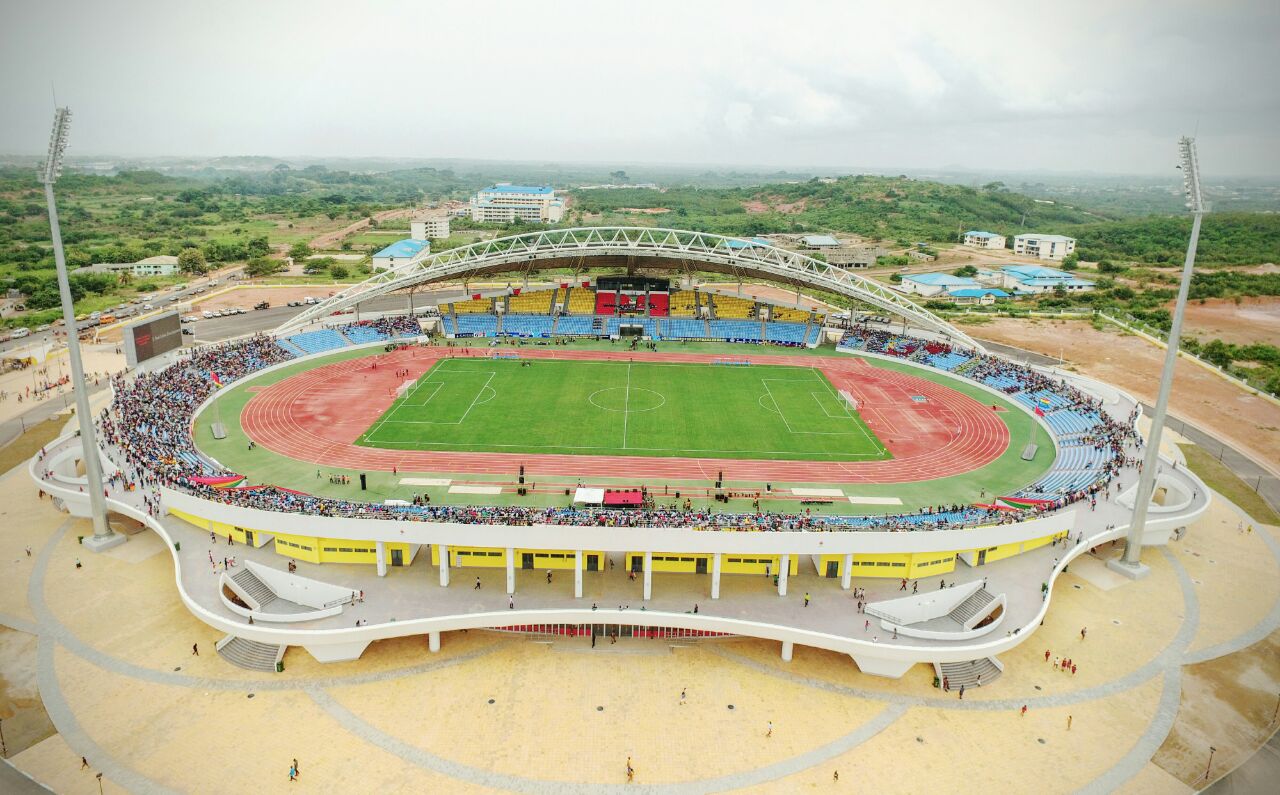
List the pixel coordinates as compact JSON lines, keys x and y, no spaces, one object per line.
{"x":967,"y":673}
{"x":254,"y":587}
{"x":250,"y":654}
{"x":978,"y":603}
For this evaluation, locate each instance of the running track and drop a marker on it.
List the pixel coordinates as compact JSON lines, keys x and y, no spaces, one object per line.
{"x":317,"y":415}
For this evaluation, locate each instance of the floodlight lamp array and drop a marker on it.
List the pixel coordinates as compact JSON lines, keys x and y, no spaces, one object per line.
{"x":51,"y":169}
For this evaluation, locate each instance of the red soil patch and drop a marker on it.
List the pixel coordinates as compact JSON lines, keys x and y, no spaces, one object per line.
{"x":316,"y":416}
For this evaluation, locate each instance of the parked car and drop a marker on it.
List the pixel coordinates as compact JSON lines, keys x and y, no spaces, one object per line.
{"x":188,"y":331}
{"x":262,"y":305}
{"x":45,"y":327}
{"x":295,"y":303}
{"x":19,"y":333}
{"x":206,"y":314}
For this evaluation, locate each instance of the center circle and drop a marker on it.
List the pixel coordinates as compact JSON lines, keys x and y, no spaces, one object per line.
{"x":628,"y":399}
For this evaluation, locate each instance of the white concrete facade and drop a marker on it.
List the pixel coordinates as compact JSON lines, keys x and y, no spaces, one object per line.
{"x":505,"y":203}
{"x":1050,"y":247}
{"x":989,"y":240}
{"x":429,"y":228}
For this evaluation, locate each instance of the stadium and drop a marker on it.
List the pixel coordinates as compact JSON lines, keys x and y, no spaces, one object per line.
{"x":683,"y":456}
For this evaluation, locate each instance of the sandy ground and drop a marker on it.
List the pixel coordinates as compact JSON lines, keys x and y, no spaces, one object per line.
{"x":1253,"y":320}
{"x":334,"y":239}
{"x":246,"y":297}
{"x":98,"y":361}
{"x":1251,"y":424}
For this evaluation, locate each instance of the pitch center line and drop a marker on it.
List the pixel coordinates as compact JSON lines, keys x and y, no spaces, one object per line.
{"x":626,"y":407}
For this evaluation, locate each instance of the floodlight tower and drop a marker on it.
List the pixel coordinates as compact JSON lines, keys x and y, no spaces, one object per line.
{"x":1129,"y":564}
{"x":103,"y":536}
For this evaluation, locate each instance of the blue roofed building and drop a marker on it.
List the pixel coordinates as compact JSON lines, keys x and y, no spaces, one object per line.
{"x":931,"y":284}
{"x":1031,"y":279}
{"x":976,"y":295}
{"x":505,"y":203}
{"x":400,"y":252}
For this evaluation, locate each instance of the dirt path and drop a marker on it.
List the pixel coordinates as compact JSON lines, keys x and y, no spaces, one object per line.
{"x":334,"y":239}
{"x":1252,"y":320}
{"x":1249,"y":423}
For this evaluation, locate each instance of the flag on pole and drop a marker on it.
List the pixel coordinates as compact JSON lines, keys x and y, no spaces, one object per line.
{"x":1039,"y":411}
{"x":1044,"y":401}
{"x":475,"y":296}
{"x":215,"y":379}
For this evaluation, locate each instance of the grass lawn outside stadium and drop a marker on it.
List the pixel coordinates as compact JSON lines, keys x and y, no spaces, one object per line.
{"x":624,"y":408}
{"x":1002,"y":476}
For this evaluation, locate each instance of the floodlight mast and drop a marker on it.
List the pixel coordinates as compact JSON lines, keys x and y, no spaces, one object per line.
{"x":1130,"y":564}
{"x":103,"y":536}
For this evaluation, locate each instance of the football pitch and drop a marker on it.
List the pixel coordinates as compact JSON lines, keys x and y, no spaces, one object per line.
{"x":621,"y":408}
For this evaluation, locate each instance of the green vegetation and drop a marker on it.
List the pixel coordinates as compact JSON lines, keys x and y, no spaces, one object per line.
{"x":619,"y":408}
{"x":1263,"y":370}
{"x":1219,"y":477}
{"x":1225,"y":239}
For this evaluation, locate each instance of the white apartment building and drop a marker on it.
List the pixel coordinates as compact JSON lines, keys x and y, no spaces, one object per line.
{"x":1053,"y":247}
{"x":978,"y":239}
{"x":433,"y":227}
{"x":504,"y":203}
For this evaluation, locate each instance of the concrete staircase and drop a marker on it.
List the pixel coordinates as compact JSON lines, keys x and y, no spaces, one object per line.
{"x":250,"y":654}
{"x":254,"y":587}
{"x":978,"y":603}
{"x":971,"y":673}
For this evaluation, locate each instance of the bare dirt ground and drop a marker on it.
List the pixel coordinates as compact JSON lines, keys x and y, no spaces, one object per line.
{"x":278,"y":296}
{"x":1253,"y":320}
{"x":1249,"y":423}
{"x":786,"y":208}
{"x":334,"y":239}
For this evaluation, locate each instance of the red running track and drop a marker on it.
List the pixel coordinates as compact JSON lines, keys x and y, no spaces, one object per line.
{"x":316,"y":416}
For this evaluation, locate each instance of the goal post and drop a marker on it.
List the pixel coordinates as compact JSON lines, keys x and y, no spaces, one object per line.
{"x":848,"y":400}
{"x":404,"y":389}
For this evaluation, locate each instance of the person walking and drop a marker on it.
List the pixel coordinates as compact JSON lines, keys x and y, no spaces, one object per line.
{"x":1069,"y":723}
{"x":195,"y":649}
{"x":511,"y":602}
{"x":293,"y":774}
{"x":1024,"y":710}
{"x":631,"y":771}
{"x":962,"y":692}
{"x":946,"y":684}
{"x":1046,"y":655}
{"x":769,"y":731}
{"x":683,"y":695}
{"x":806,"y":599}
{"x":296,"y":769}
{"x":477,"y":584}
{"x":83,"y":763}
{"x":1083,"y":631}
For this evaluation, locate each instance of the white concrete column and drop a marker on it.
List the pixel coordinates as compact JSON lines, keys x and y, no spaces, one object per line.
{"x":380,"y":549}
{"x":511,"y":570}
{"x":433,"y":642}
{"x":787,"y":648}
{"x":846,"y":576}
{"x":577,"y":574}
{"x":648,"y":575}
{"x":715,"y":576}
{"x":784,"y":568}
{"x":444,"y":564}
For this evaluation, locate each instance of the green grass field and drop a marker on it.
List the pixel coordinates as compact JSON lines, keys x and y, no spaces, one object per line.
{"x":620,"y":408}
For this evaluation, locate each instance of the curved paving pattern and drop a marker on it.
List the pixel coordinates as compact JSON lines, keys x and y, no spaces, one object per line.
{"x":1166,"y":663}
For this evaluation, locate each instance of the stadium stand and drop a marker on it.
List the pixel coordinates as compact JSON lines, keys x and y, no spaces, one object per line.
{"x":474,"y":306}
{"x":682,"y":303}
{"x":477,"y":325}
{"x":319,"y":341}
{"x":730,"y":307}
{"x":685,"y":328}
{"x":784,"y":333}
{"x":571,"y":325}
{"x":788,"y":314}
{"x":581,"y":301}
{"x":527,"y":325}
{"x":531,"y":303}
{"x":736,"y":330}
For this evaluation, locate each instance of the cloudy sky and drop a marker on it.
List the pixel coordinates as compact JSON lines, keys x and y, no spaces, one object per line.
{"x":1062,"y":86}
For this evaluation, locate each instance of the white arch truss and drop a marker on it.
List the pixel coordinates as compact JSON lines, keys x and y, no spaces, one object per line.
{"x":629,"y":242}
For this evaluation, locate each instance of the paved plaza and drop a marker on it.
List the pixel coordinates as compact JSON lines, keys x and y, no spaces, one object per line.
{"x":108,"y":647}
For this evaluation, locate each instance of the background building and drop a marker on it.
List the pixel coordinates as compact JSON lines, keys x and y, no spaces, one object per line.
{"x":930,"y":284}
{"x":977,"y":239}
{"x":161,"y":265}
{"x":399,"y":253}
{"x":819,"y":242}
{"x":429,"y":227}
{"x":1039,"y":279}
{"x":1053,"y":247}
{"x":504,"y":203}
